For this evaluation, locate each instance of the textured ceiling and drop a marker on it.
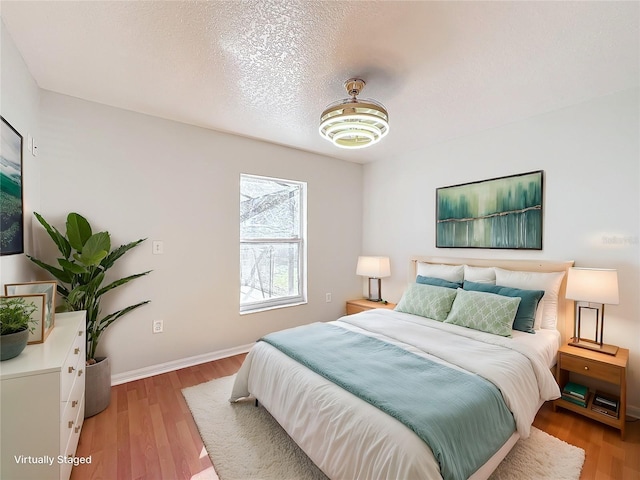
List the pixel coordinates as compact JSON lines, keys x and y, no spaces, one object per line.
{"x":267,"y":69}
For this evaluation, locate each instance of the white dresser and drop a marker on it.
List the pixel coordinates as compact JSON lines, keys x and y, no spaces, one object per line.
{"x":42,"y":404}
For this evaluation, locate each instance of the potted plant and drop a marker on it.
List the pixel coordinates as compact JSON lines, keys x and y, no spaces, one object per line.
{"x":81,"y":274}
{"x":15,"y":325}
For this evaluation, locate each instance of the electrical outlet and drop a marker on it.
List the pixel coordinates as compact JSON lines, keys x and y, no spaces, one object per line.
{"x":327,"y":298}
{"x":158,"y":326}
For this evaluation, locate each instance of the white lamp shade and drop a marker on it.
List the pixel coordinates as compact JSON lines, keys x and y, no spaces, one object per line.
{"x":373,"y":267}
{"x":593,"y":285}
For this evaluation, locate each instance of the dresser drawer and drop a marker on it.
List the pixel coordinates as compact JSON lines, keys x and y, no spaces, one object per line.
{"x":73,"y":366}
{"x":592,"y":368}
{"x":69,"y":409}
{"x":72,"y":442}
{"x":72,"y":403}
{"x":351,"y":309}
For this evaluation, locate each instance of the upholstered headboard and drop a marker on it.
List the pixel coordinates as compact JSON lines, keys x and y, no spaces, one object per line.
{"x":566,"y":308}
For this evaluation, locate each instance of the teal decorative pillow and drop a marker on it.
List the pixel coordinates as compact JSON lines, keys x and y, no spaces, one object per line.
{"x":438,"y":282}
{"x":529,"y":300}
{"x":482,"y":311}
{"x":427,"y":301}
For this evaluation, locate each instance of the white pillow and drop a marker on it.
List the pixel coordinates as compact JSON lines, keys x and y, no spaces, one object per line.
{"x":480,"y":274}
{"x":547,"y":281}
{"x":537,"y":323}
{"x":453,"y":273}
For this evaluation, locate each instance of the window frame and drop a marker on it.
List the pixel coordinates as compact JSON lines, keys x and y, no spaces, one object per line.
{"x":301,"y":241}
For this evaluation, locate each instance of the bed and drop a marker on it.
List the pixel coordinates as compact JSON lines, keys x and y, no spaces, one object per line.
{"x":351,"y":431}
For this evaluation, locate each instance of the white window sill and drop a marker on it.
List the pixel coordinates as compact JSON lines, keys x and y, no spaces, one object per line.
{"x":275,"y":307}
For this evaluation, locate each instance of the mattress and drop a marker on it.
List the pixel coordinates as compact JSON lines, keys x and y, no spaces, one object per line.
{"x":350,"y":439}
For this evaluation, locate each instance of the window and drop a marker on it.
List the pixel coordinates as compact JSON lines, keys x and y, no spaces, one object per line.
{"x":272,"y":248}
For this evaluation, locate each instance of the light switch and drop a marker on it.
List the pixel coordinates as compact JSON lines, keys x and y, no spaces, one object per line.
{"x":158,"y":247}
{"x":31,"y":145}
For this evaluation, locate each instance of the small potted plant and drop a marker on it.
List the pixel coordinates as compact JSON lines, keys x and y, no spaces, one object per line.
{"x":15,"y":325}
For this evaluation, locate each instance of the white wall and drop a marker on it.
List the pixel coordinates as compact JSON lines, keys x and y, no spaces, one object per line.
{"x":591,"y":158}
{"x":19,"y":98}
{"x":140,"y":176}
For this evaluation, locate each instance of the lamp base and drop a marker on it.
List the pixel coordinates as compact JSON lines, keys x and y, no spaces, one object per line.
{"x":375,"y":290}
{"x":595,"y":346}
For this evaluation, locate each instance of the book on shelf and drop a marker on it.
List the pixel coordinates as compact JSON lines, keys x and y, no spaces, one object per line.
{"x":576,"y":390}
{"x":574,"y":397}
{"x":577,"y":401}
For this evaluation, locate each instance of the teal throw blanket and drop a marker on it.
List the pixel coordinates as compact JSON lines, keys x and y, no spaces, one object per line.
{"x":462,"y":417}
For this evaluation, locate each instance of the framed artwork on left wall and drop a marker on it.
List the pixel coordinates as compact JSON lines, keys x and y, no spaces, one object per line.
{"x":11,"y":198}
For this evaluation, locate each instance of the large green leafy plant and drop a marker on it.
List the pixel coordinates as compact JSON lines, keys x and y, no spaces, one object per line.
{"x":85,"y":259}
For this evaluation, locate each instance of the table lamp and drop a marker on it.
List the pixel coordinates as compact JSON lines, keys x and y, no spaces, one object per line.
{"x":375,"y":268}
{"x":592,"y":286}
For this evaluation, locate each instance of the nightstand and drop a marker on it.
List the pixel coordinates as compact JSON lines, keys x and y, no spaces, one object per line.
{"x":597,"y":367}
{"x":362,"y":304}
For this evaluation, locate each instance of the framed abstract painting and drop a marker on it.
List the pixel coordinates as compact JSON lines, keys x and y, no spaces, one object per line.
{"x":503,"y":212}
{"x":11,"y":206}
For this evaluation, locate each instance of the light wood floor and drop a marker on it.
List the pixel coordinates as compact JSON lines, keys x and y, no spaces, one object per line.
{"x":148,"y":433}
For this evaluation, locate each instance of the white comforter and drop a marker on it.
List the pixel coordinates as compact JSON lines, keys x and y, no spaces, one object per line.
{"x":350,"y":439}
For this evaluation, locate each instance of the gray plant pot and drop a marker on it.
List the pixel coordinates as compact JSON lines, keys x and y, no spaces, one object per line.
{"x":12,"y":344}
{"x":97,"y":387}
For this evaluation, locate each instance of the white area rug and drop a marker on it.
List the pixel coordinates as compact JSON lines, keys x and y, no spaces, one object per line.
{"x":245,"y":442}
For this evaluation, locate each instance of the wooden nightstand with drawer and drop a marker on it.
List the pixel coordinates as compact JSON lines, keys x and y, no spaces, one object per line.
{"x":362,"y":304}
{"x":610,"y":369}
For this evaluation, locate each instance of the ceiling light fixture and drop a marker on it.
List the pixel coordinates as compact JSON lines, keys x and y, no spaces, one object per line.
{"x":353,"y":123}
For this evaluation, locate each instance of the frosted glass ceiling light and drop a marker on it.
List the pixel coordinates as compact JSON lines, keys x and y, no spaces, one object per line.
{"x":353,"y":123}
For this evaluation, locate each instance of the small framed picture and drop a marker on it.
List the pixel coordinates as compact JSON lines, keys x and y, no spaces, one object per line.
{"x":48,"y":288}
{"x":39,"y":301}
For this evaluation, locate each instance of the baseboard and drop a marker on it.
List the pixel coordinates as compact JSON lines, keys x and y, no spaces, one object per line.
{"x":152,"y":370}
{"x":633,"y":411}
